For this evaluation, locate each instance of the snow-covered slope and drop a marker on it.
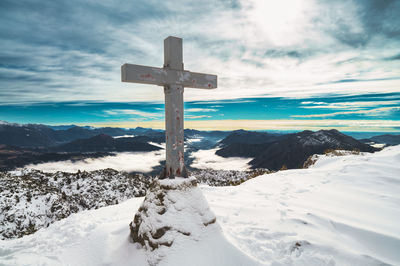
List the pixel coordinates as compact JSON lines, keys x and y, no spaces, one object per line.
{"x":342,"y":211}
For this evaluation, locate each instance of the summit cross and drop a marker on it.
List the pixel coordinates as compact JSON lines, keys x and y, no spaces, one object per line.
{"x":173,"y":78}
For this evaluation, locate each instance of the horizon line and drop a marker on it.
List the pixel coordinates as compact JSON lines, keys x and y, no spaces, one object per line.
{"x":279,"y":124}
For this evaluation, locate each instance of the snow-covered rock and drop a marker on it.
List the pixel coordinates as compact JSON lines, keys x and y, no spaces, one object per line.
{"x":173,"y":212}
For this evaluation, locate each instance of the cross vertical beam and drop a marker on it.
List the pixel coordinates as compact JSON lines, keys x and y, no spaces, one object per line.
{"x":173,"y":78}
{"x":173,"y":59}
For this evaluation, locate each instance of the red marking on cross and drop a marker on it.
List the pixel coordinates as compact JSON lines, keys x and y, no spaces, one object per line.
{"x":147,"y":76}
{"x":178,"y":122}
{"x":181,"y":158}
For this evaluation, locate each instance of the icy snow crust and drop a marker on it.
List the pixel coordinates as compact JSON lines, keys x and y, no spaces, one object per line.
{"x":342,"y":211}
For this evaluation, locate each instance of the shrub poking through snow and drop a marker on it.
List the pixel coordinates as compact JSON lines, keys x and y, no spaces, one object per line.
{"x":31,"y":199}
{"x":226,"y":177}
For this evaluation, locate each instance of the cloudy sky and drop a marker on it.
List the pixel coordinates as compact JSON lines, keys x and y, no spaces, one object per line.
{"x":309,"y":55}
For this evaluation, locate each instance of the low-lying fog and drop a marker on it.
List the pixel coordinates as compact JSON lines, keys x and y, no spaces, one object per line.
{"x":146,"y":161}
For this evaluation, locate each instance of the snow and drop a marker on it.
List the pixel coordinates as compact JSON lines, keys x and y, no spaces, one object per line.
{"x":174,"y":220}
{"x":194,"y":140}
{"x":9,"y":124}
{"x":124,"y":136}
{"x":378,"y":145}
{"x":346,"y":207}
{"x":176,"y":182}
{"x":100,"y":237}
{"x":207,"y":159}
{"x":343,"y":210}
{"x":123,"y":161}
{"x":31,"y":199}
{"x":160,"y":145}
{"x":318,"y":138}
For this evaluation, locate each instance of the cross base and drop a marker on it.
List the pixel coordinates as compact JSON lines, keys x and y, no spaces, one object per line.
{"x":164,"y":174}
{"x":173,"y":212}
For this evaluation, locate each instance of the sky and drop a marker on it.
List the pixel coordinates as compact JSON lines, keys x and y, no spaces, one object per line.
{"x":289,"y":64}
{"x":365,"y":113}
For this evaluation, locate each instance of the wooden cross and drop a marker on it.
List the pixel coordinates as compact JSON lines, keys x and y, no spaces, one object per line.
{"x":173,"y":78}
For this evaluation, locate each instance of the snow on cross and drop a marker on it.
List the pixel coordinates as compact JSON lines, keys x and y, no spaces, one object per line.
{"x":174,"y":78}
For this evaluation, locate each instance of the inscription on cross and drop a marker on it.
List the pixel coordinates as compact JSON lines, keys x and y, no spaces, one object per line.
{"x":173,"y":78}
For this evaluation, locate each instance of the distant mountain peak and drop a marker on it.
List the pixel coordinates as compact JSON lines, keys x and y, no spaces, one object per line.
{"x":291,"y":150}
{"x":9,"y":124}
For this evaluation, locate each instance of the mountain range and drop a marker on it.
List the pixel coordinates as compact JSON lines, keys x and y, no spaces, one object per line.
{"x":387,"y":139}
{"x":31,"y":143}
{"x":106,"y":143}
{"x":34,"y":135}
{"x":288,"y":151}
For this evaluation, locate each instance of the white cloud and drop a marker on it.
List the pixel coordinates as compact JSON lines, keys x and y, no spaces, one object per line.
{"x":278,"y":22}
{"x":347,"y":105}
{"x":125,"y":161}
{"x":133,"y":112}
{"x":376,"y":125}
{"x":197,"y":110}
{"x":144,"y":161}
{"x":223,"y":102}
{"x":197,"y":116}
{"x":207,"y":159}
{"x":312,"y":102}
{"x":280,"y":48}
{"x":371,"y":112}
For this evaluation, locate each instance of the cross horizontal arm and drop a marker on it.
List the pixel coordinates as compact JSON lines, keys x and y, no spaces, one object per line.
{"x":166,"y":76}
